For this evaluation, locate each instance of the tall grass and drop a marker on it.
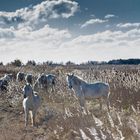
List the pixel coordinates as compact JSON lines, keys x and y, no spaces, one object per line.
{"x":60,"y":116}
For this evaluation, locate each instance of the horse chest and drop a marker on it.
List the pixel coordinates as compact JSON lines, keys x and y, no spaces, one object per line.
{"x":30,"y":105}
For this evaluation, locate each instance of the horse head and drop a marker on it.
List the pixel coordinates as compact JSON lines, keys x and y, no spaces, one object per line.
{"x":27,"y":90}
{"x":70,"y":80}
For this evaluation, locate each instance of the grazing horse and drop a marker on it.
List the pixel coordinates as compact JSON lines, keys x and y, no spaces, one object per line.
{"x":8,"y":77}
{"x":20,"y":76}
{"x":51,"y":81}
{"x":29,"y":78}
{"x":84,"y":90}
{"x":46,"y":82}
{"x":41,"y":81}
{"x":3,"y":84}
{"x":31,"y":103}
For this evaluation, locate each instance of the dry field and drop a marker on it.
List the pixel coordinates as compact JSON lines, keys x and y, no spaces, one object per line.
{"x":60,"y":118}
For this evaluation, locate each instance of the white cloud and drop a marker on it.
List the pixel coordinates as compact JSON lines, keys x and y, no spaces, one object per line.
{"x":27,"y":44}
{"x":110,"y":16}
{"x":128,"y":25}
{"x":92,"y":22}
{"x":57,"y":45}
{"x":6,"y":33}
{"x":39,"y":13}
{"x":92,"y":15}
{"x":104,"y":46}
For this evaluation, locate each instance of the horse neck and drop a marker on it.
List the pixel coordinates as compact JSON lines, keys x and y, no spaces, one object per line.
{"x":31,"y":95}
{"x":80,"y":81}
{"x":77,"y":87}
{"x":76,"y":90}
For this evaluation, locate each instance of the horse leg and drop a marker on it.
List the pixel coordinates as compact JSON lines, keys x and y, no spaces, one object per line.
{"x":51,"y":88}
{"x":34,"y":114}
{"x":46,"y":88}
{"x":31,"y":114}
{"x":82,"y":104}
{"x":107,"y":103}
{"x":52,"y":92}
{"x":26,"y":117}
{"x":82,"y":101}
{"x":33,"y":117}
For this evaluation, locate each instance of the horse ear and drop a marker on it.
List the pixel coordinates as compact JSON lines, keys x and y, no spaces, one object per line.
{"x":68,"y":74}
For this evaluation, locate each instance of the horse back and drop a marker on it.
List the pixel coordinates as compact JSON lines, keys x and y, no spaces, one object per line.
{"x":96,"y":89}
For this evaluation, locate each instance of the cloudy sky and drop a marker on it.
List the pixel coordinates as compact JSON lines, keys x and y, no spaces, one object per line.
{"x":63,"y":30}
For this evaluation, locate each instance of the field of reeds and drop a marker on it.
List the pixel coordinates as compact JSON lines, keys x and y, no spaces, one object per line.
{"x":60,"y":116}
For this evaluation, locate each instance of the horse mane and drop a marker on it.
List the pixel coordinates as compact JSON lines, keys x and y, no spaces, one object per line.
{"x":78,"y":80}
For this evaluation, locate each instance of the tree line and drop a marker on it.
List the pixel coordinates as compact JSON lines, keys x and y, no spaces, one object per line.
{"x":19,"y":63}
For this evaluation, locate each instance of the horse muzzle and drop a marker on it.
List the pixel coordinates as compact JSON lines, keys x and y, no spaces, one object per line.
{"x":70,"y":86}
{"x":24,"y":96}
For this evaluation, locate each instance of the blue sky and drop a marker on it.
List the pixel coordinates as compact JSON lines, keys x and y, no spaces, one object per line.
{"x":63,"y":30}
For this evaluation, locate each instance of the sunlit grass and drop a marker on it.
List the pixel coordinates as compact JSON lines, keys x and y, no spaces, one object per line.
{"x":60,"y":116}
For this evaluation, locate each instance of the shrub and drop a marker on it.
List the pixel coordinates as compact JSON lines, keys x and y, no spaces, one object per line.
{"x":1,"y":63}
{"x":31,"y":62}
{"x":17,"y":63}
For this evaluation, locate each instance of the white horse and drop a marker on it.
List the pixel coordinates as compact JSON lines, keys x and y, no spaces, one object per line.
{"x":51,"y":81}
{"x":46,"y":81}
{"x":31,"y":103}
{"x":84,"y":90}
{"x":20,"y":76}
{"x":29,"y":78}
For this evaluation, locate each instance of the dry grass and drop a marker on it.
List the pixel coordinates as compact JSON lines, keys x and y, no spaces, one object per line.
{"x":60,"y":117}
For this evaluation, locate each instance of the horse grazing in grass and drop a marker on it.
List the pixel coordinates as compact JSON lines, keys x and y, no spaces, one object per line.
{"x":29,"y":78}
{"x":46,"y":81}
{"x":51,"y":81}
{"x":31,"y":103}
{"x":20,"y":76}
{"x":88,"y":91}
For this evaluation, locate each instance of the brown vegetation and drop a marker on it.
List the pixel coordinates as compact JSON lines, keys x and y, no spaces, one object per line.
{"x":60,"y":116}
